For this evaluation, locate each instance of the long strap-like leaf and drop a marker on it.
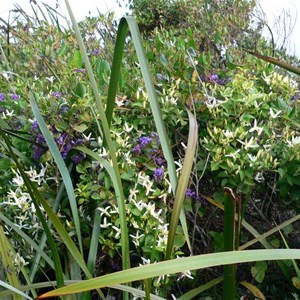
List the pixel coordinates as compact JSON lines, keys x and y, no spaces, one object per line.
{"x":175,"y":266}
{"x":124,"y":25}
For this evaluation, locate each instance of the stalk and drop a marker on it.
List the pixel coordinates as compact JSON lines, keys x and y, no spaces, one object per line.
{"x":229,"y":244}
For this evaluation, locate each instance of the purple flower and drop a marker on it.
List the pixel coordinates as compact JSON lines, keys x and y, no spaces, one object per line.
{"x":34,"y":126}
{"x":159,"y":161}
{"x":66,"y":148}
{"x":56,"y":95}
{"x":60,"y":140}
{"x":144,"y":141}
{"x":83,"y":71}
{"x":37,"y":152}
{"x":190,"y":193}
{"x":76,"y":159}
{"x":64,"y":109}
{"x":40,"y":139}
{"x":214,"y":77}
{"x":2,"y":97}
{"x":137,"y":149}
{"x":201,"y":198}
{"x":14,"y":97}
{"x":96,"y":52}
{"x":158,"y":174}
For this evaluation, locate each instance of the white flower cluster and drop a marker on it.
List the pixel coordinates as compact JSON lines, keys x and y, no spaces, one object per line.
{"x":19,"y":203}
{"x":143,"y":217}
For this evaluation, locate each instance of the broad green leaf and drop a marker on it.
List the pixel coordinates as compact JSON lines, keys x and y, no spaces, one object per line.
{"x":81,"y":128}
{"x":80,"y":90}
{"x":76,"y":60}
{"x":258,"y":271}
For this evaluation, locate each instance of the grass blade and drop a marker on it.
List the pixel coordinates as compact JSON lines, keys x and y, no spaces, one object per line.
{"x":8,"y":263}
{"x":115,"y":71}
{"x":37,"y":199}
{"x":27,"y":239}
{"x":61,"y":166}
{"x":94,"y":242}
{"x":14,"y":290}
{"x":175,"y":266}
{"x":263,"y":236}
{"x":229,"y":244}
{"x":258,"y":237}
{"x":43,"y":239}
{"x":183,"y":182}
{"x":195,"y":292}
{"x":108,"y":139}
{"x":137,"y":41}
{"x":41,"y":285}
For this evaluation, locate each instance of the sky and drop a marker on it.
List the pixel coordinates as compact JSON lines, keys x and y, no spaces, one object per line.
{"x":277,"y":12}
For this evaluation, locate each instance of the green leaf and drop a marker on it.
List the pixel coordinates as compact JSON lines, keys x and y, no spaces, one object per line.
{"x":229,"y":62}
{"x":214,"y":166}
{"x":76,"y":60}
{"x":258,"y":271}
{"x":163,"y":60}
{"x":81,"y":128}
{"x":80,"y":90}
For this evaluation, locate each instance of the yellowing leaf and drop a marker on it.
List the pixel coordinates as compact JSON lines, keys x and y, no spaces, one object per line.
{"x":296,"y":282}
{"x":254,"y":290}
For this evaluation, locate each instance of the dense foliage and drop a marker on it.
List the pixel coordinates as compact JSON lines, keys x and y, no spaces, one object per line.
{"x":248,"y":116}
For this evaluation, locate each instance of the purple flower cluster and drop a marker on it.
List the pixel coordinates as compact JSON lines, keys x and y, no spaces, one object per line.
{"x":158,"y":174}
{"x":14,"y":96}
{"x":149,"y":147}
{"x":64,"y":142}
{"x":96,"y":52}
{"x":82,"y":71}
{"x":39,"y":148}
{"x":214,"y":78}
{"x":144,"y":141}
{"x":192,"y":194}
{"x":295,"y":96}
{"x":2,"y":97}
{"x":56,"y":95}
{"x":64,"y":108}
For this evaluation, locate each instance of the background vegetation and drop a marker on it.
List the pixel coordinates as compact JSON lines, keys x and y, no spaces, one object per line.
{"x":95,"y":158}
